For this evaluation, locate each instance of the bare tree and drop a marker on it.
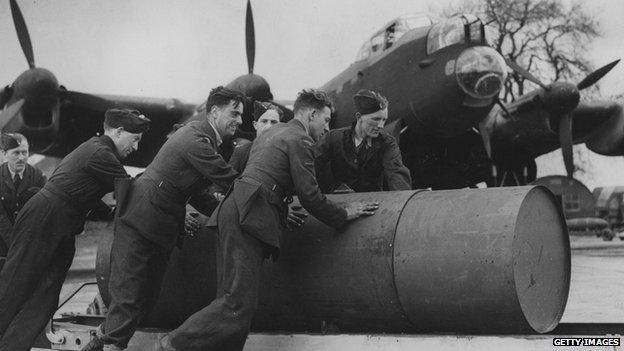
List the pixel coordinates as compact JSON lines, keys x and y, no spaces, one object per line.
{"x":547,"y":37}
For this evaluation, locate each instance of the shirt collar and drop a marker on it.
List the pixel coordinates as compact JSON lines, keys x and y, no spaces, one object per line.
{"x":217,"y":135}
{"x":357,"y":141}
{"x":21,"y":174}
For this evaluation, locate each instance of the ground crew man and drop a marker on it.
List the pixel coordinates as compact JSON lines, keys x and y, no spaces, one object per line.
{"x":42,"y":246}
{"x":148,"y":225}
{"x":362,"y":157}
{"x":281,"y":163}
{"x":19,"y":181}
{"x":266,"y":115}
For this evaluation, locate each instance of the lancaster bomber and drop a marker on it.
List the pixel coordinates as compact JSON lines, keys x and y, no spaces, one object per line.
{"x":442,"y":80}
{"x":475,"y":261}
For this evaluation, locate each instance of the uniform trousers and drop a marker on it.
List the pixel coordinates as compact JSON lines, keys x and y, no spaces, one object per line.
{"x":224,"y":324}
{"x":138,"y":267}
{"x":40,"y":254}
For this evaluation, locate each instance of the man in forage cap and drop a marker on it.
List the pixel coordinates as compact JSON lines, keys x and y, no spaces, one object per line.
{"x":146,"y":231}
{"x":42,"y":245}
{"x":362,"y":157}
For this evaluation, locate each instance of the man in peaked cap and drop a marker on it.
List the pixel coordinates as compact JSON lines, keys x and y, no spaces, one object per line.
{"x":149,"y":223}
{"x":42,"y":245}
{"x":362,"y":157}
{"x":19,"y":181}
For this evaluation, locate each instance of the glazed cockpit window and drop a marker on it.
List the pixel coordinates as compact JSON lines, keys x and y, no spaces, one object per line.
{"x":365,"y":51}
{"x":412,"y":22}
{"x":445,"y":33}
{"x":454,"y":31}
{"x":392,"y":35}
{"x":377,"y":42}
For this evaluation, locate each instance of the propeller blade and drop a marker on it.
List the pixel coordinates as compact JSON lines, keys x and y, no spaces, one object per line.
{"x":22,"y":33}
{"x":596,"y":75}
{"x":565,"y":139}
{"x":250,"y":38}
{"x":485,"y":129}
{"x":485,"y":135}
{"x":523,"y":72}
{"x":10,"y":112}
{"x":88,"y":101}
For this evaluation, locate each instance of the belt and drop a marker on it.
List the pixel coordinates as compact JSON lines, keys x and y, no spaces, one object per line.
{"x":59,"y":193}
{"x":166,"y":185}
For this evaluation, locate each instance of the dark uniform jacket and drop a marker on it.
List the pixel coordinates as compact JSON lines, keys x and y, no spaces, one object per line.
{"x":43,"y":243}
{"x":281,"y":163}
{"x":82,"y":178}
{"x":240,"y":156}
{"x":186,"y":165}
{"x":12,"y":200}
{"x":339,"y":162}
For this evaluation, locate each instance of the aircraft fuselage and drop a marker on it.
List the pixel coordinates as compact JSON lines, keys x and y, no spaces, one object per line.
{"x":422,"y":89}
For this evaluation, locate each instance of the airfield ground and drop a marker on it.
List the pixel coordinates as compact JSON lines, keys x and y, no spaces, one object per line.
{"x":596,"y":296}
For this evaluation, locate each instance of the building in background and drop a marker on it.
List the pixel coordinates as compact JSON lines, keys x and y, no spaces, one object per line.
{"x":609,"y":205}
{"x":579,"y":206}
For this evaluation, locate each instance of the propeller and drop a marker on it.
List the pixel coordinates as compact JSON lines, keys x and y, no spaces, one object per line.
{"x":81,"y":99}
{"x":252,"y":85}
{"x":250,"y":38}
{"x":22,"y":34}
{"x":565,"y":122}
{"x":564,"y":98}
{"x":10,"y":112}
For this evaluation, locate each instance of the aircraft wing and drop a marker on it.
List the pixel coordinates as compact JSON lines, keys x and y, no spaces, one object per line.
{"x":601,"y":126}
{"x":78,"y":123}
{"x":532,"y":131}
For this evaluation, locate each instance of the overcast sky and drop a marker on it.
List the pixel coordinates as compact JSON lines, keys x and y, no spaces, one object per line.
{"x":181,"y":49}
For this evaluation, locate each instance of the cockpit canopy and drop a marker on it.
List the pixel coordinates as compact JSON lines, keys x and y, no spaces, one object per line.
{"x":465,"y":28}
{"x":392,"y":32}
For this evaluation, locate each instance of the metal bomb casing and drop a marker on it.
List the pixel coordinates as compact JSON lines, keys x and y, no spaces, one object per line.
{"x":472,"y":260}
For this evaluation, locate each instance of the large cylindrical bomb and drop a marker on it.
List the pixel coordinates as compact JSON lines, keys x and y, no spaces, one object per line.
{"x":472,"y":260}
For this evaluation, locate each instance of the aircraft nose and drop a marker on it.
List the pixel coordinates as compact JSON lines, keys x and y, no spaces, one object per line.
{"x":480,"y":72}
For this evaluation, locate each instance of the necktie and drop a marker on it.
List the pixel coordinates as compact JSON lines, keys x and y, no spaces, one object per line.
{"x":17,"y":181}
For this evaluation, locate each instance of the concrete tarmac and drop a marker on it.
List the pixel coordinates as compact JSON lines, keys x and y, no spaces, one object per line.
{"x":597,"y":284}
{"x":596,"y":289}
{"x":596,"y":296}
